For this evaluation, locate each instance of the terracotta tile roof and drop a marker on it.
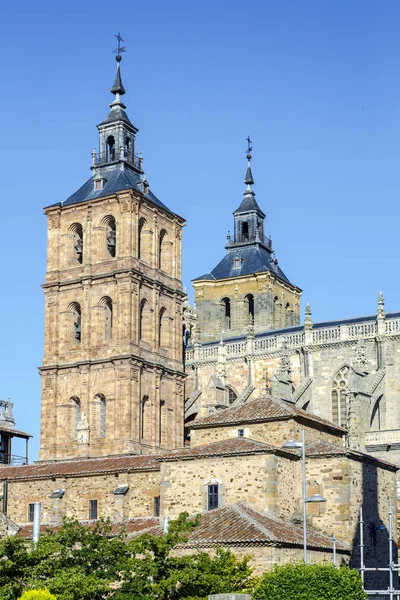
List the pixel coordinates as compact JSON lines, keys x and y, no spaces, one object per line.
{"x":262,"y":409}
{"x":233,"y":446}
{"x":321,"y":448}
{"x":132,"y":528}
{"x":81,"y":467}
{"x":242,"y":524}
{"x":235,"y":525}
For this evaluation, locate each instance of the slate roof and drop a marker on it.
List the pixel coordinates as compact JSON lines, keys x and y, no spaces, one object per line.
{"x":231,"y":447}
{"x":255,"y":259}
{"x":116,"y":180}
{"x":248,"y":204}
{"x":262,"y":409}
{"x":242,"y":524}
{"x":81,"y":467}
{"x":116,"y":114}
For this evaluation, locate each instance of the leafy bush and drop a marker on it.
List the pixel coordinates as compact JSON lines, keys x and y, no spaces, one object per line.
{"x":310,"y":582}
{"x":37,"y":595}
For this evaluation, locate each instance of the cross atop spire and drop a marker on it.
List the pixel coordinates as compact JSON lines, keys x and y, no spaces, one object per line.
{"x":118,"y":89}
{"x":249,"y":176}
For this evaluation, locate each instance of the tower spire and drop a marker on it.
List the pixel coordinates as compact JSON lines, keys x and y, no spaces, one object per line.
{"x":118,"y":89}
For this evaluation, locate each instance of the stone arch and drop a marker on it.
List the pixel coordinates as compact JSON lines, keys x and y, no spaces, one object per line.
{"x":339,"y":391}
{"x":74,"y":415}
{"x":164,"y":254}
{"x":76,"y":333}
{"x":108,"y":222}
{"x":110,"y":148}
{"x":76,"y":231}
{"x":144,"y":241}
{"x":107,"y":304}
{"x":145,"y":321}
{"x":249,"y":304}
{"x":164,"y":333}
{"x":226,"y":313}
{"x":100,"y":405}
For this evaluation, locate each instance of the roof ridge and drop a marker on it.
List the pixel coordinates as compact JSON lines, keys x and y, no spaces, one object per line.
{"x":239,"y":509}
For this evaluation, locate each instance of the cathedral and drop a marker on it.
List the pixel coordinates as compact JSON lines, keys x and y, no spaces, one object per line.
{"x":151,"y":406}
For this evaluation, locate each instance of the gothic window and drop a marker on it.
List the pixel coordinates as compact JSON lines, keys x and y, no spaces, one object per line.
{"x":163,"y":329}
{"x":110,"y":148}
{"x":106,"y":303}
{"x":245,"y":231}
{"x":339,"y":398}
{"x":162,"y":251}
{"x":377,"y":415}
{"x":250,"y":305}
{"x":75,"y":309}
{"x":75,"y":404}
{"x":77,"y":232}
{"x":232,"y":395}
{"x":102,"y":414}
{"x":212,"y":496}
{"x":226,"y":305}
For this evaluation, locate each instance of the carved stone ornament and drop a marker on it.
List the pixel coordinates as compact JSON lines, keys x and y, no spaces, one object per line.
{"x":82,"y":430}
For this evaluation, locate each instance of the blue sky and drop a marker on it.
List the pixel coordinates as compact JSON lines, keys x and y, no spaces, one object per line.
{"x":316,"y":85}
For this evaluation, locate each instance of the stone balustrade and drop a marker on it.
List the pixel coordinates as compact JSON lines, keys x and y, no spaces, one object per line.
{"x":296,"y":337}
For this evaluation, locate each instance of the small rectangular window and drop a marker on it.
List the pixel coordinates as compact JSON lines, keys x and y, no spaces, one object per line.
{"x":212,"y":496}
{"x":240,"y":432}
{"x":93,"y":510}
{"x":98,"y":184}
{"x":31,"y":512}
{"x":157,"y":506}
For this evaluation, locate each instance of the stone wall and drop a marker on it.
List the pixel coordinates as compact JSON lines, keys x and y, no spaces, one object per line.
{"x":272,"y":432}
{"x":138,"y":501}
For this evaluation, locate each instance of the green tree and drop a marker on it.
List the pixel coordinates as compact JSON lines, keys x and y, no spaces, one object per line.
{"x":80,"y":562}
{"x":310,"y":582}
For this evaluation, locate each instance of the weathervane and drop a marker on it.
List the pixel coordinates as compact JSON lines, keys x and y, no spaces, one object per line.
{"x":119,"y":48}
{"x":249,"y":146}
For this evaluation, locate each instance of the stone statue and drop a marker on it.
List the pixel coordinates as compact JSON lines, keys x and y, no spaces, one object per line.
{"x":82,"y":430}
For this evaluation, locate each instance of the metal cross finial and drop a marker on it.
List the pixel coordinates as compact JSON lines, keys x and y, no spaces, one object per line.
{"x":119,"y":47}
{"x":249,"y":146}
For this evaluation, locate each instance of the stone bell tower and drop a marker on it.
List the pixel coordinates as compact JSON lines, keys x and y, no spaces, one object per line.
{"x":112,"y":373}
{"x":247,"y":287}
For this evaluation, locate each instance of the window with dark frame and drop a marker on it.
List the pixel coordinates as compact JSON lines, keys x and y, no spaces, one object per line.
{"x":240,"y":432}
{"x":31,"y":512}
{"x":93,"y":509}
{"x":157,"y":506}
{"x":212,"y":496}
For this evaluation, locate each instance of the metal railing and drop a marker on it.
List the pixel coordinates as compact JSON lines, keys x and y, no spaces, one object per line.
{"x":115,"y":155}
{"x":12,"y":459}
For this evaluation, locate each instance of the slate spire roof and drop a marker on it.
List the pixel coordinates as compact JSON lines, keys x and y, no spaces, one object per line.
{"x":249,"y":202}
{"x":118,"y":88}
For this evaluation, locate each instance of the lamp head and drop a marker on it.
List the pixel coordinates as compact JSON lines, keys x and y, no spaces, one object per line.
{"x":316,"y":498}
{"x":292,"y":445}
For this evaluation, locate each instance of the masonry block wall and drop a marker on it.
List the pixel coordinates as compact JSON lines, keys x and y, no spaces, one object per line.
{"x":276,"y":304}
{"x":113,"y":328}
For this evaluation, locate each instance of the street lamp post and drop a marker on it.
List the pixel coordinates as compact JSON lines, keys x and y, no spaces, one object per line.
{"x":292,"y":444}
